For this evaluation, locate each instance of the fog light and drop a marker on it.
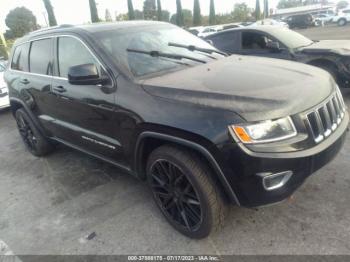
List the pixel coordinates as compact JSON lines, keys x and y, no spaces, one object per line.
{"x":272,"y":181}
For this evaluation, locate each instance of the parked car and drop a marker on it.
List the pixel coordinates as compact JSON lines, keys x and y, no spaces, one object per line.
{"x":196,"y":30}
{"x":342,"y":17}
{"x":209,"y":30}
{"x":270,"y":21}
{"x":300,"y":21}
{"x":165,"y":106}
{"x":278,"y":42}
{"x":321,"y":19}
{"x":4,"y":97}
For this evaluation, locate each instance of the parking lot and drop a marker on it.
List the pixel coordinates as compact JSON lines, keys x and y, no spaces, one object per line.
{"x":70,"y":203}
{"x":331,"y":32}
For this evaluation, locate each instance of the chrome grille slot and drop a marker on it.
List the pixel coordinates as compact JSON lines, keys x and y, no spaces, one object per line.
{"x":324,"y":120}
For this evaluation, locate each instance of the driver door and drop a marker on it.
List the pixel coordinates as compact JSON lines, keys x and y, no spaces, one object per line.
{"x":82,"y":115}
{"x":256,"y":43}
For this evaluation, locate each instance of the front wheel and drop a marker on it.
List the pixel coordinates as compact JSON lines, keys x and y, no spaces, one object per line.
{"x":185,"y":192}
{"x":342,"y":22}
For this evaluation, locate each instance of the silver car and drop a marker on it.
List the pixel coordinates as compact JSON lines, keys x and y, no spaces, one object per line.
{"x":4,"y":97}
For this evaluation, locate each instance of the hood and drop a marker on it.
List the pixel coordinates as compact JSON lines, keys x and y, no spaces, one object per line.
{"x":255,"y":88}
{"x":340,"y":47}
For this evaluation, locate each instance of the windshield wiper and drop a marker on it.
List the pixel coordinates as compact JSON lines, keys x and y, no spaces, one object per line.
{"x":196,"y":48}
{"x":167,"y":55}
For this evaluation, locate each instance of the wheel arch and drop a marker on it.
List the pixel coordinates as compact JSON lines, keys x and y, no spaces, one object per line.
{"x":16,"y":104}
{"x":324,"y":63}
{"x":149,"y":140}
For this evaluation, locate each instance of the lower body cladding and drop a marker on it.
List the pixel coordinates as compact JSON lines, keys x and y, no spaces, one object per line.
{"x":262,"y":180}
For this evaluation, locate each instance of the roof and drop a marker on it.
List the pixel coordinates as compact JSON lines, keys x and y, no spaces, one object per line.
{"x":87,"y":28}
{"x":262,"y":28}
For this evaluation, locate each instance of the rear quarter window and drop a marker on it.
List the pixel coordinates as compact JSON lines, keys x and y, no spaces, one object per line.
{"x":20,"y":58}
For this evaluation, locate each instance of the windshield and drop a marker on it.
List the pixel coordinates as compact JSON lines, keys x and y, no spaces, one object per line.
{"x":290,"y":38}
{"x":152,"y":38}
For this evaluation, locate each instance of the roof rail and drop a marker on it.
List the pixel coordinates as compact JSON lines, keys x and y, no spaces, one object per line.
{"x":51,"y":28}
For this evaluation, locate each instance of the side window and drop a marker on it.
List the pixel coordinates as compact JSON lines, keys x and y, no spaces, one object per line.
{"x":20,"y":58}
{"x":40,"y":57}
{"x":71,"y":52}
{"x":254,"y":41}
{"x":227,"y":42}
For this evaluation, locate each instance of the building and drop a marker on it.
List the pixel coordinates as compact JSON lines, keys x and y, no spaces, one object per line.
{"x":313,"y":9}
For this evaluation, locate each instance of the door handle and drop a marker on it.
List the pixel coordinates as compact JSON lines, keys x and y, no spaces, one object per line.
{"x":59,"y":89}
{"x":24,"y":81}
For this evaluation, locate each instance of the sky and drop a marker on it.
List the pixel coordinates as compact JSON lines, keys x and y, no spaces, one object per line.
{"x":77,"y":11}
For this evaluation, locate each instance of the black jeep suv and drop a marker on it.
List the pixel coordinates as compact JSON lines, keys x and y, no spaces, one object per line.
{"x":163,"y":105}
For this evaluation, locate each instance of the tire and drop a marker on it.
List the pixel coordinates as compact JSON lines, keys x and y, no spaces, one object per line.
{"x":342,"y":22}
{"x":34,"y":141}
{"x":184,"y":191}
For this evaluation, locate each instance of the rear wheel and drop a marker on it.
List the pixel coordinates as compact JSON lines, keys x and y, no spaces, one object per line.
{"x":342,"y":22}
{"x":184,"y":191}
{"x":34,"y":141}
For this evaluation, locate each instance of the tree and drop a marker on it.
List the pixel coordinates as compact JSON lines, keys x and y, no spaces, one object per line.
{"x":241,"y":12}
{"x":187,"y":18}
{"x":93,"y":11}
{"x":179,"y":14}
{"x":342,"y":4}
{"x":165,"y":15}
{"x":121,"y":17}
{"x":197,"y":17}
{"x":50,"y":13}
{"x":224,"y":18}
{"x":266,"y":8}
{"x":212,"y":13}
{"x":288,"y":3}
{"x":139,"y":15}
{"x":20,"y":21}
{"x":131,"y":12}
{"x":149,"y":10}
{"x":159,"y":11}
{"x":108,"y":16}
{"x":257,"y":10}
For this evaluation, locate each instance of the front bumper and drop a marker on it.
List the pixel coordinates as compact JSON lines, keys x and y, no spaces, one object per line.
{"x":248,"y":184}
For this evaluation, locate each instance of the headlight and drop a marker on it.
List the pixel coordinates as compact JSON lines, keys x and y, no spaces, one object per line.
{"x":266,"y":131}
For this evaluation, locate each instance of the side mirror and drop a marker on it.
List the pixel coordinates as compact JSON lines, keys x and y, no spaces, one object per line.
{"x":210,"y":42}
{"x":86,"y":74}
{"x":274,"y":46}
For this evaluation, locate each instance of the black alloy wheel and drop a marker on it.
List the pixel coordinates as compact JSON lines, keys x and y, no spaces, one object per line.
{"x":184,"y":190}
{"x":34,"y":141}
{"x":175,"y":194}
{"x":26,"y":133}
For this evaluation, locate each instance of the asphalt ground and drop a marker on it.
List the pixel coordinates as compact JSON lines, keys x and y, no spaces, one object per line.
{"x":51,"y":205}
{"x":328,"y":32}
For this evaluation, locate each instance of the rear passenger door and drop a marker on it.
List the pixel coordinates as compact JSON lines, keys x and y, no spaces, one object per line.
{"x":39,"y":80}
{"x":83,"y":114}
{"x":30,"y":75}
